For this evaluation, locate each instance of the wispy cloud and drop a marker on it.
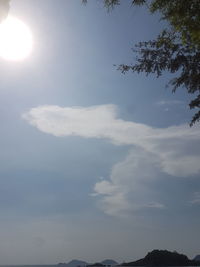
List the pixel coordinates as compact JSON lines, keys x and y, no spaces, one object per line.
{"x":169,"y":102}
{"x":153,"y":151}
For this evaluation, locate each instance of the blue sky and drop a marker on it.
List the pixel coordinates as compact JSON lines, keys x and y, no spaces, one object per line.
{"x":94,"y":164}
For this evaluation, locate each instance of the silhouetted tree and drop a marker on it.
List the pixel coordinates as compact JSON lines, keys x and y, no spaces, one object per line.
{"x":176,"y":49}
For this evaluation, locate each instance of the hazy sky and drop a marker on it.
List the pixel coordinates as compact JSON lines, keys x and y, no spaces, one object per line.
{"x":94,"y":164}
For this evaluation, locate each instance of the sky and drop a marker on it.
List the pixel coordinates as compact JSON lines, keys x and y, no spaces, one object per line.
{"x":94,"y":164}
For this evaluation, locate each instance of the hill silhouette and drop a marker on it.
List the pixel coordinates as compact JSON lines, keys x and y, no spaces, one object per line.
{"x":73,"y":263}
{"x":163,"y":258}
{"x":109,"y":262}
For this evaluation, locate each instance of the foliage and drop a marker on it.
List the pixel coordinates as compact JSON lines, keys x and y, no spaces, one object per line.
{"x":176,"y":49}
{"x":184,"y":16}
{"x":167,"y":53}
{"x":108,"y":3}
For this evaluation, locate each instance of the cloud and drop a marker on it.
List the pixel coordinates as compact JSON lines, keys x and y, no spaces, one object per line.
{"x":126,"y":192}
{"x":153,"y":151}
{"x":101,"y":122}
{"x":169,"y":102}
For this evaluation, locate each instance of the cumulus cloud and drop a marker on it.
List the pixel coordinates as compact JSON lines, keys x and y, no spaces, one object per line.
{"x":126,"y":191}
{"x":153,"y":151}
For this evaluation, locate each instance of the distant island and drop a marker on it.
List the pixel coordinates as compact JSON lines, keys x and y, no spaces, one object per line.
{"x":109,"y":262}
{"x":105,"y":263}
{"x":80,"y":263}
{"x":163,"y":258}
{"x":73,"y":263}
{"x":153,"y":258}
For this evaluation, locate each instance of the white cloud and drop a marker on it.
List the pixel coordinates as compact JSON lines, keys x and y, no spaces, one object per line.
{"x":85,"y":122}
{"x":127,"y":184}
{"x":153,"y":151}
{"x":101,"y":122}
{"x":95,"y":121}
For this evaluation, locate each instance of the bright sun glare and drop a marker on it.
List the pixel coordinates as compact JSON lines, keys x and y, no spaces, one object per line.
{"x":15,"y":39}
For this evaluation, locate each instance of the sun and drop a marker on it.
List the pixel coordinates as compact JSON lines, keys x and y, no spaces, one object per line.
{"x":15,"y":39}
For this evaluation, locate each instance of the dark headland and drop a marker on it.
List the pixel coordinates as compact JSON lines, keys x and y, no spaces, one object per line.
{"x":163,"y":258}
